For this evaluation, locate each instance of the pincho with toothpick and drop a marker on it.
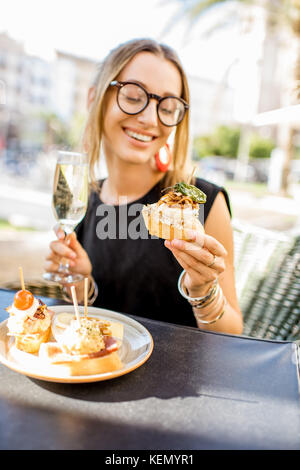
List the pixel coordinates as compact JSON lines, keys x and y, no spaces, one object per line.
{"x":29,"y":321}
{"x":84,"y":345}
{"x":176,"y":212}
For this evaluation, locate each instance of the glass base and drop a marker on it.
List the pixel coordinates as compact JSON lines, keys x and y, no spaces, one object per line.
{"x":63,"y":278}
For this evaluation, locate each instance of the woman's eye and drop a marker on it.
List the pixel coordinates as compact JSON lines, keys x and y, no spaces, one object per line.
{"x":167,"y":111}
{"x":133,"y":99}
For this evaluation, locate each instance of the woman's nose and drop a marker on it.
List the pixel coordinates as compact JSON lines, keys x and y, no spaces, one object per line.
{"x":149,"y":115}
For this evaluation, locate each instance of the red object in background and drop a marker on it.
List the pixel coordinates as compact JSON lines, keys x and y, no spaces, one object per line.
{"x":163,"y":158}
{"x":2,"y":143}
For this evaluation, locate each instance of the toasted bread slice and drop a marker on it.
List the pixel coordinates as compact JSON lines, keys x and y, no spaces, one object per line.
{"x":169,"y":231}
{"x":31,"y":343}
{"x":59,"y":362}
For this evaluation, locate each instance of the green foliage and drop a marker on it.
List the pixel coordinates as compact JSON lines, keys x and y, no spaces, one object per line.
{"x":61,"y":133}
{"x":76,"y":129}
{"x":224,"y":141}
{"x":56,"y":131}
{"x":6,"y":225}
{"x":202,"y":146}
{"x":297,"y":153}
{"x":261,"y":147}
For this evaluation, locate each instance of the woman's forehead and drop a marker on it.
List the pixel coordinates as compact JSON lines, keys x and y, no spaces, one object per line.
{"x":155,"y":73}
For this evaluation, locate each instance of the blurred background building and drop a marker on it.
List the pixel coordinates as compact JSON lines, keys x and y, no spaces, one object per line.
{"x":73,"y":76}
{"x":40,"y":98}
{"x":44,"y":100}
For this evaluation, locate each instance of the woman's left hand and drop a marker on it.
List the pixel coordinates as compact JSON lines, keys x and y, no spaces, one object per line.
{"x":203,"y":259}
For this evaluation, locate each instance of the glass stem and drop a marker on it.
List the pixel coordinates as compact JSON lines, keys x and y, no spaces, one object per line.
{"x":64,"y":263}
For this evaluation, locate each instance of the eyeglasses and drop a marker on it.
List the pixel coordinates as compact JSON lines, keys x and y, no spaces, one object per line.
{"x":132,"y":99}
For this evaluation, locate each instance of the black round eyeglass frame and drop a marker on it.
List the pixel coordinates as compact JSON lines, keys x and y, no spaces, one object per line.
{"x":150,"y":96}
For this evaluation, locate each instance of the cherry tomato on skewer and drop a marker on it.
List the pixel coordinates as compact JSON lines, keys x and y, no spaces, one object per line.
{"x":23,"y":299}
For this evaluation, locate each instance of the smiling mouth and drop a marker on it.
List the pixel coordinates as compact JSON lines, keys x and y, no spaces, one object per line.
{"x":138,"y":136}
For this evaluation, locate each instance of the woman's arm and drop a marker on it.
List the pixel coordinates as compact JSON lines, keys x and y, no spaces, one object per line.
{"x":218,"y":225}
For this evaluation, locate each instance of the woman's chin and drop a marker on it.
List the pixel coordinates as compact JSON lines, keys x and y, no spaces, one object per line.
{"x":137,"y":159}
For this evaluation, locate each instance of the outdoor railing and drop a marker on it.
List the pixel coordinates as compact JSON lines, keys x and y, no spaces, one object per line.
{"x":267,"y":268}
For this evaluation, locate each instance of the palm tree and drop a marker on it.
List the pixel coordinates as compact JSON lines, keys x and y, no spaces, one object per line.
{"x":279,"y":13}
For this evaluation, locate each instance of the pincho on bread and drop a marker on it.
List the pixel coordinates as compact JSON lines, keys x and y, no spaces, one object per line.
{"x":29,"y":321}
{"x":84,"y":345}
{"x":175,"y":213}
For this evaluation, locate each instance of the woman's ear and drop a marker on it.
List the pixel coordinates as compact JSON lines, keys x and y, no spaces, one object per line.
{"x":91,"y":96}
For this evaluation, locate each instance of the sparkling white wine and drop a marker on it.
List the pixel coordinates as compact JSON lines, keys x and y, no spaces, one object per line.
{"x":70,"y":194}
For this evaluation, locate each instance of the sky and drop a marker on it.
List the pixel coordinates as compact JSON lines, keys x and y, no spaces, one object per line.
{"x":91,"y":28}
{"x":86,"y":27}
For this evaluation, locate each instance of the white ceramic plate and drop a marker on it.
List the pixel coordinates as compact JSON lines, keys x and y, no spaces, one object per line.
{"x":136,"y":348}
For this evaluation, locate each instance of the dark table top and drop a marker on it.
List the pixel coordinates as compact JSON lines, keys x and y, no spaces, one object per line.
{"x":198,"y":390}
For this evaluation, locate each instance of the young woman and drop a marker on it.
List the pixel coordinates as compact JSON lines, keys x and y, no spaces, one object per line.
{"x":139,"y":103}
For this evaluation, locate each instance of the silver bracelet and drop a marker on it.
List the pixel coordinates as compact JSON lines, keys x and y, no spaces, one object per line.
{"x":197,"y":302}
{"x":218,"y":317}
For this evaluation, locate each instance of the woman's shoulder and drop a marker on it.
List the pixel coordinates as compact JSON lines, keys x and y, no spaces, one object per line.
{"x":207,"y":186}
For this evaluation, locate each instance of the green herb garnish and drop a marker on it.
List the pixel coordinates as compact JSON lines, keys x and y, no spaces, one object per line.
{"x":189,"y":190}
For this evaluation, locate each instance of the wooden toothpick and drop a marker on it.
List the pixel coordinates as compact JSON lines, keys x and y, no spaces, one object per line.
{"x":74,"y":297}
{"x":191,"y":176}
{"x":86,"y":280}
{"x":21,"y":278}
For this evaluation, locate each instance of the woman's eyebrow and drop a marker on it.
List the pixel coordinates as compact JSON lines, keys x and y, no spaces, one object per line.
{"x":167,"y":93}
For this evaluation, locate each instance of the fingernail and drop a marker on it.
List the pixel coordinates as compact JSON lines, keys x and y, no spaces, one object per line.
{"x":73,"y":255}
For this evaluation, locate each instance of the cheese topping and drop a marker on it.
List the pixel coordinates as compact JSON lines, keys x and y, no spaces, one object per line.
{"x":22,"y":322}
{"x":29,"y":312}
{"x":84,"y":339}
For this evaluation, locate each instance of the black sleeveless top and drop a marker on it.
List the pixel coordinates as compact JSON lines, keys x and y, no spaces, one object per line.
{"x":136,"y":273}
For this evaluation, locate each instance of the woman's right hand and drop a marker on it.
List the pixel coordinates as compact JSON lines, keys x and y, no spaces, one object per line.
{"x":73,"y":252}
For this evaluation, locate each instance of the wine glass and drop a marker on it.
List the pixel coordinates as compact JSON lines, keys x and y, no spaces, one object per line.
{"x":69,"y":204}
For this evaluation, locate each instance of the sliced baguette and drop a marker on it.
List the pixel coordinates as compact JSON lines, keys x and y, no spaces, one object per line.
{"x":57,"y":361}
{"x":31,"y":343}
{"x":156,"y":227}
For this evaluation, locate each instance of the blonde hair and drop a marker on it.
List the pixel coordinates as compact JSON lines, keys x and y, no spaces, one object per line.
{"x":107,"y":71}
